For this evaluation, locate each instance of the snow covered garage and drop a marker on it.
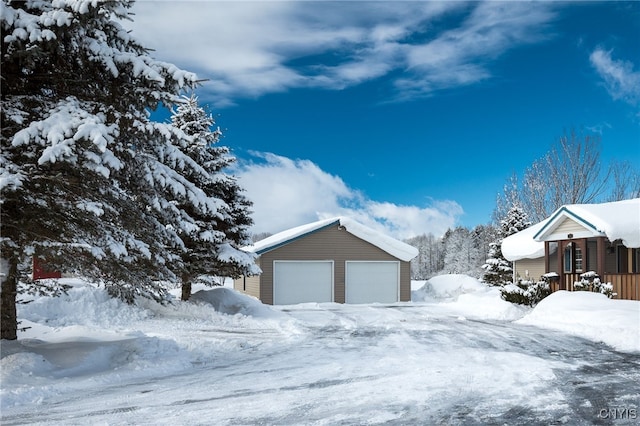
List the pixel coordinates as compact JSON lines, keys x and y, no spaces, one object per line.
{"x":332,"y":260}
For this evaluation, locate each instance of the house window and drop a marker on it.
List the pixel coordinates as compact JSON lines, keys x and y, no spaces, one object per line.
{"x":636,"y":261}
{"x":578,"y":255}
{"x":568,"y":261}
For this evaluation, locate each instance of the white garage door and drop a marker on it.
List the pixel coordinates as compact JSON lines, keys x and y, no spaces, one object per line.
{"x":302,"y":281}
{"x":369,"y":282}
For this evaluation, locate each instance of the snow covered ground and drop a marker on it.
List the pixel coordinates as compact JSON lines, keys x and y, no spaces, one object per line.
{"x":457,"y":354}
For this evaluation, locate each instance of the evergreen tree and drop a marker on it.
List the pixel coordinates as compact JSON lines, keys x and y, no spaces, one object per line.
{"x":88,"y":182}
{"x":498,"y":270}
{"x":212,"y":245}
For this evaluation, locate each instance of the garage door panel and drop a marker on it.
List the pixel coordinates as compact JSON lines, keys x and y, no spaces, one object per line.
{"x":302,"y":281}
{"x":370,"y":282}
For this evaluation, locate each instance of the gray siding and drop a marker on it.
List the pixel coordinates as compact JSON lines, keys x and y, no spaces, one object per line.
{"x":249,"y":285}
{"x":329,"y":244}
{"x":530,"y":269}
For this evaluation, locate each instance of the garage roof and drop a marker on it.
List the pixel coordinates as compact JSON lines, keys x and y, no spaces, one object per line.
{"x":390,"y":245}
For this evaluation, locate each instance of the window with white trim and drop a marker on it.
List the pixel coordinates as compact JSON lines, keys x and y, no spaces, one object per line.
{"x":578,"y":256}
{"x":568,"y":258}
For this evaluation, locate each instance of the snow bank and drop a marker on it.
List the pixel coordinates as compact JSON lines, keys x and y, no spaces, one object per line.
{"x":84,"y":304}
{"x":446,"y":287}
{"x":487,"y":304}
{"x":590,"y":315}
{"x":231,"y":302}
{"x":468,"y":297}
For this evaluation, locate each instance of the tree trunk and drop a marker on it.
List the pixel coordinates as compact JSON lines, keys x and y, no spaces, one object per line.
{"x":186,"y":290}
{"x":9,"y":315}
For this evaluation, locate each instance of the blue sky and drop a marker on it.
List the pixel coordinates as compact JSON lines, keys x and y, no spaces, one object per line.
{"x":409,"y":117}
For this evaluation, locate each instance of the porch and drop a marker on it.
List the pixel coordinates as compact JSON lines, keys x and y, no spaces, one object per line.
{"x":611,"y":260}
{"x":625,"y":285}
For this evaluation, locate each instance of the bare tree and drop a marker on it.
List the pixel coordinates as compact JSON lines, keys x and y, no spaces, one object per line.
{"x":626,"y":182}
{"x":570,"y":173}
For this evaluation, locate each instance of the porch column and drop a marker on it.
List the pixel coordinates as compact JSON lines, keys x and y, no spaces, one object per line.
{"x":560,"y":254}
{"x":546,"y":257}
{"x":601,"y":248}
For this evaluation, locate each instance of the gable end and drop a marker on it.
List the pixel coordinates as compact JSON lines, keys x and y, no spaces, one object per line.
{"x":565,"y":223}
{"x":298,"y":237}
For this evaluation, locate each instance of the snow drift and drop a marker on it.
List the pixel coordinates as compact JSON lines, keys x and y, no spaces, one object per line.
{"x":590,"y":315}
{"x":231,"y":302}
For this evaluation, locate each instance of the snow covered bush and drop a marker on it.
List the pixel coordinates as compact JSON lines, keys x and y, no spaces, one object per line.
{"x":590,"y":281}
{"x":525,"y":292}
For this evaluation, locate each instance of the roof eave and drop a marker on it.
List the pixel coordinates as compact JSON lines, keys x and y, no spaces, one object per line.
{"x":297,"y":237}
{"x":554,"y":220}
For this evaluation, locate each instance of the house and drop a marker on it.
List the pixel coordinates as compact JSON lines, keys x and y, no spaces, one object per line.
{"x":579,"y":238}
{"x":332,"y":260}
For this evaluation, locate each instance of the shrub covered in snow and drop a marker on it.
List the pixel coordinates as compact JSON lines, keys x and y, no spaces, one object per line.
{"x":525,"y":292}
{"x":590,"y":281}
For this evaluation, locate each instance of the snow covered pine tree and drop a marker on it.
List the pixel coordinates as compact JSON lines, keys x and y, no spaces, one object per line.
{"x":212,"y":246}
{"x":87,"y":180}
{"x":498,"y":270}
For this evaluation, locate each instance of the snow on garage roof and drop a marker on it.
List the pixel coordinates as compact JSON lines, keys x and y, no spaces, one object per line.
{"x":390,"y":245}
{"x":618,"y":220}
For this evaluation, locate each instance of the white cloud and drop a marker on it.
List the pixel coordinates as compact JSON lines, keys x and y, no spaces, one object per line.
{"x":621,"y":81}
{"x":248,"y":49}
{"x":288,"y":193}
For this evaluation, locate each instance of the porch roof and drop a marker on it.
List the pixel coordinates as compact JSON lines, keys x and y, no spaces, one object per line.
{"x":618,"y":220}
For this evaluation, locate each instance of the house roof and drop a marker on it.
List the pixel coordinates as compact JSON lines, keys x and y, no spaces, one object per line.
{"x":390,"y":245}
{"x":619,"y":220}
{"x":521,"y":245}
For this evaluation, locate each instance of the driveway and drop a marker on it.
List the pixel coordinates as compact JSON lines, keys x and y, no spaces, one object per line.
{"x":370,"y":364}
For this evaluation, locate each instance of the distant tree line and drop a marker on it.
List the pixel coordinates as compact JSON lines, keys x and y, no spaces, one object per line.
{"x":459,"y":251}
